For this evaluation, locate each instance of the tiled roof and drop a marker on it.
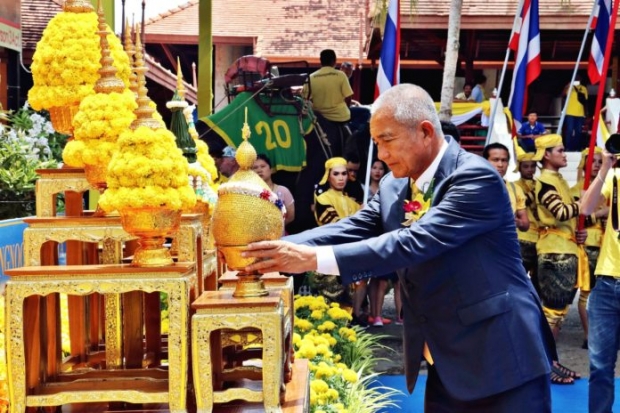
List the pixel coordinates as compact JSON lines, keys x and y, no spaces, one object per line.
{"x":485,"y":14}
{"x":280,"y":28}
{"x":35,"y":16}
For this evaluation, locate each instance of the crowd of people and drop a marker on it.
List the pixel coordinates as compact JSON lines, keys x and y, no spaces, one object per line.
{"x":484,"y":274}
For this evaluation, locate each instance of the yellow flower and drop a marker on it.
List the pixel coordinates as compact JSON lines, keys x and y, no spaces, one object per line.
{"x":317,"y":314}
{"x":319,"y":386}
{"x":303,"y":325}
{"x":337,"y":313}
{"x":350,"y":376}
{"x":327,"y":326}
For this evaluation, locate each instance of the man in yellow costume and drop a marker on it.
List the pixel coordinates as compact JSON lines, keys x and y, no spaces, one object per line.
{"x":558,"y":244}
{"x":526,"y":166}
{"x":594,"y":227}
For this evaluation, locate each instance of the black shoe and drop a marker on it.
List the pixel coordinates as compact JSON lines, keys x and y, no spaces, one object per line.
{"x":357,"y":321}
{"x":584,"y":345}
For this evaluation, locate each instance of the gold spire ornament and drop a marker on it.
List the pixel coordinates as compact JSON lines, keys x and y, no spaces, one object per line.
{"x":78,"y":6}
{"x":144,"y":113}
{"x":247,"y":211}
{"x":108,"y":82}
{"x":130,"y":49}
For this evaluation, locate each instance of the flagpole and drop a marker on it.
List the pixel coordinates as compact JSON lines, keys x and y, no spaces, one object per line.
{"x":501,"y":77}
{"x":599,"y":101}
{"x":572,"y":79}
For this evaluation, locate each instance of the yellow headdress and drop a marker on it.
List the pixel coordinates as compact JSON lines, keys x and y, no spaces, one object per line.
{"x":543,"y":142}
{"x":329,"y":164}
{"x":521,"y":154}
{"x":582,"y":162}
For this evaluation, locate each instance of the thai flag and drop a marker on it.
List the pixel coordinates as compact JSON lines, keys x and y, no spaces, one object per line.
{"x":599,"y":41}
{"x":389,"y":63}
{"x":525,"y":42}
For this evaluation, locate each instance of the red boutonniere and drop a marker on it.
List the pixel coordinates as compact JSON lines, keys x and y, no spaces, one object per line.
{"x":418,"y":206}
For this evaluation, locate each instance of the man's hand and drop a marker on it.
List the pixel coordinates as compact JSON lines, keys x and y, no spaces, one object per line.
{"x":281,"y":256}
{"x":580,"y":236}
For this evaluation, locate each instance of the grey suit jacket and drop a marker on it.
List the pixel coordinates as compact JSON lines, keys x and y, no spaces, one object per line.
{"x":465,"y":291}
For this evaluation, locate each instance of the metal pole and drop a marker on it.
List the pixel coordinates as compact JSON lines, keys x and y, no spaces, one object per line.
{"x":143,"y":22}
{"x":497,"y":98}
{"x":122,"y":20}
{"x":572,"y":79}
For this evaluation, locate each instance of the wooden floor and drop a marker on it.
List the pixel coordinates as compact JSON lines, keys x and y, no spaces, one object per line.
{"x":297,"y":400}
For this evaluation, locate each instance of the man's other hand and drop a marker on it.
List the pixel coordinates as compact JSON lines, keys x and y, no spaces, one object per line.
{"x":281,"y":256}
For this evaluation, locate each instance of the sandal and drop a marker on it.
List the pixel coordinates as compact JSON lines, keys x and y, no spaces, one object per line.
{"x":558,"y":378}
{"x":565,"y":371}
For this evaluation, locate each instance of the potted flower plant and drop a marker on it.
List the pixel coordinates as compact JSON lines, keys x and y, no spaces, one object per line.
{"x":27,"y":142}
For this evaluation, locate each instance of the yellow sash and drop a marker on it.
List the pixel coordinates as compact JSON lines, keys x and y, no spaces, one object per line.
{"x":583,"y":269}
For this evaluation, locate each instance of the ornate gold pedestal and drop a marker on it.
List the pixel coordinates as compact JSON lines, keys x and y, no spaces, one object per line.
{"x":130,"y":385}
{"x":55,"y":181}
{"x":222,"y":320}
{"x":108,"y":232}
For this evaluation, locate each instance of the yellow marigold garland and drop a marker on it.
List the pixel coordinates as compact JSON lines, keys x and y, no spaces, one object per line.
{"x":148,"y":170}
{"x":101,"y":119}
{"x":66,"y":61}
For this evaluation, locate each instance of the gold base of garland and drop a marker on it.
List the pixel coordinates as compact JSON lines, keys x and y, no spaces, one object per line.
{"x":151,"y":226}
{"x":62,"y":118}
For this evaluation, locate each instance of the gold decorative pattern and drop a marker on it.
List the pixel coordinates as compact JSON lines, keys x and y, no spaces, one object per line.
{"x":266,"y":314}
{"x":113,"y":331}
{"x":151,"y":226}
{"x":62,"y":117}
{"x":108,"y":280}
{"x":61,"y":229}
{"x":55,"y":181}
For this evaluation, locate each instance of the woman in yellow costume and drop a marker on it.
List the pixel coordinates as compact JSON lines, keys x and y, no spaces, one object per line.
{"x":330,"y":205}
{"x":594,"y":226}
{"x":333,"y":204}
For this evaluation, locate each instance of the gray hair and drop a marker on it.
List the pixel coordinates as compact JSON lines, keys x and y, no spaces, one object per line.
{"x":409,"y":104}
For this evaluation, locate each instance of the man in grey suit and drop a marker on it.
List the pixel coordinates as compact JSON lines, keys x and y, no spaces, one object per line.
{"x":469,"y":308}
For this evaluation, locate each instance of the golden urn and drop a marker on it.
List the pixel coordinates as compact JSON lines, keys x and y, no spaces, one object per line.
{"x":246,"y":211}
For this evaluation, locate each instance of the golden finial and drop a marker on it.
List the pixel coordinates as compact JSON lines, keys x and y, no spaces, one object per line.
{"x":144,"y":113}
{"x":78,"y":6}
{"x":180,"y":86}
{"x":131,"y":51}
{"x":108,"y":82}
{"x":246,"y":154}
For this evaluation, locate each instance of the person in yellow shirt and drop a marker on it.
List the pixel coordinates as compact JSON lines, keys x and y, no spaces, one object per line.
{"x":497,"y":155}
{"x":331,"y":93}
{"x":557,"y":246}
{"x":594,"y":227}
{"x":604,"y":301}
{"x":576,"y":112}
{"x":526,"y":166}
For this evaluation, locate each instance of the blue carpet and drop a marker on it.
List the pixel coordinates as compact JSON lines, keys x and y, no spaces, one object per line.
{"x":565,"y":399}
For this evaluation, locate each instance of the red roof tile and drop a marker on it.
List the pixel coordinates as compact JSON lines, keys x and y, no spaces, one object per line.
{"x":280,"y":28}
{"x":35,"y":16}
